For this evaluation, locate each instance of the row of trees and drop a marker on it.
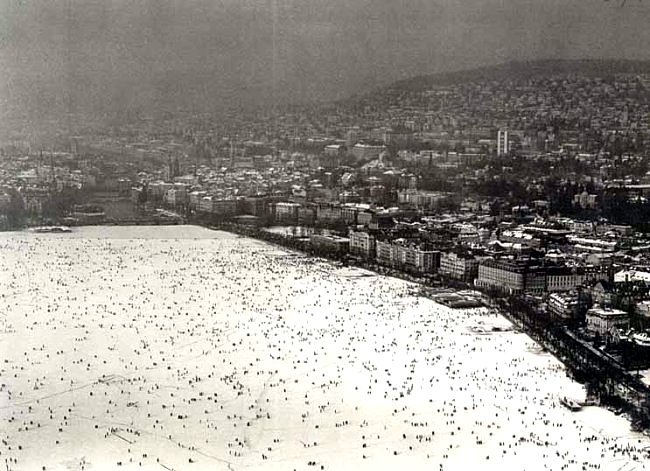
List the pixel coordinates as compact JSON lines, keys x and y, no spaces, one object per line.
{"x":58,"y":205}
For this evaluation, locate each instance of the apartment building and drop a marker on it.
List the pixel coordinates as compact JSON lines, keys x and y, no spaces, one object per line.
{"x":408,"y":256}
{"x":563,"y":279}
{"x":602,"y":321}
{"x":459,"y":266}
{"x":507,"y":276}
{"x":285,"y":211}
{"x":362,"y":244}
{"x":564,"y":306}
{"x":329,"y":244}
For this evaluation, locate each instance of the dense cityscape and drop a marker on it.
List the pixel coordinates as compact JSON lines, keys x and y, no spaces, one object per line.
{"x":525,"y":186}
{"x":532,"y":184}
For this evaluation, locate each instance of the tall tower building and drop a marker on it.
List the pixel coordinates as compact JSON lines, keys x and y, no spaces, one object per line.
{"x":75,"y":145}
{"x":502,"y":142}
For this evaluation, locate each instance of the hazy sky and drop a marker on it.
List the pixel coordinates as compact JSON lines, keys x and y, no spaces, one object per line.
{"x":76,"y":54}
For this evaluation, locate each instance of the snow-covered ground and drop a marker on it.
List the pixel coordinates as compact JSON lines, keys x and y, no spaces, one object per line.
{"x":182,"y":348}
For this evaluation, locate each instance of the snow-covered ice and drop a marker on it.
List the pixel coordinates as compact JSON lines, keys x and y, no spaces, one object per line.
{"x":182,"y":348}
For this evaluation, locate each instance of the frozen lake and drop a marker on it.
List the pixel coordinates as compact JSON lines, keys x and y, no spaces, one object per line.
{"x":183,"y":348}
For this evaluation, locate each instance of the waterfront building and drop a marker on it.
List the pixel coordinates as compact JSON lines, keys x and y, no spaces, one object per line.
{"x":535,"y":280}
{"x":195,"y":197}
{"x":460,"y":266}
{"x":362,"y":244}
{"x":35,"y":199}
{"x":225,"y":207}
{"x":260,"y":205}
{"x":157,"y":190}
{"x":88,"y":214}
{"x":419,"y":259}
{"x":511,"y":276}
{"x":306,"y":215}
{"x":218,"y":207}
{"x":602,"y":321}
{"x":407,"y":255}
{"x":502,"y":275}
{"x":205,"y":205}
{"x":384,"y":252}
{"x":564,"y":306}
{"x":328,"y":212}
{"x":524,"y":275}
{"x":329,"y":244}
{"x":286,"y":212}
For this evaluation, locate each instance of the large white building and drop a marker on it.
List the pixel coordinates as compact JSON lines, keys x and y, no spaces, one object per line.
{"x":511,"y":276}
{"x":362,"y":243}
{"x":458,"y":266}
{"x":421,"y":199}
{"x":502,"y":142}
{"x":362,"y":151}
{"x":625,"y":276}
{"x":216,"y":206}
{"x":405,"y":255}
{"x":601,"y":321}
{"x":563,"y":305}
{"x":505,"y":276}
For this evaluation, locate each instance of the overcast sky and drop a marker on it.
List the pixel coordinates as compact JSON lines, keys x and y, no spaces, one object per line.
{"x":78,"y":54}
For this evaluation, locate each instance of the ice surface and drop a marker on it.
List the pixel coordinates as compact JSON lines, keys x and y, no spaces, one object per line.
{"x":182,"y":348}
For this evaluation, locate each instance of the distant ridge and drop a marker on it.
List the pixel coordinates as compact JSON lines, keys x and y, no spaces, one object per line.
{"x":524,"y":70}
